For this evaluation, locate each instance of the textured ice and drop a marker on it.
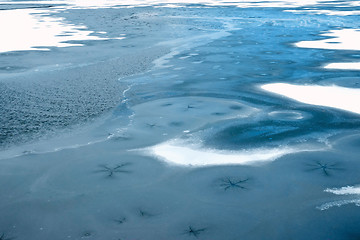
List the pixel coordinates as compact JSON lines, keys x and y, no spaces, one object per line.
{"x":349,"y":190}
{"x":344,"y":190}
{"x":339,"y":203}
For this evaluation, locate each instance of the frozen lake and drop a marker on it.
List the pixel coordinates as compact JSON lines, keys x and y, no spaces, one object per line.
{"x":179,"y":119}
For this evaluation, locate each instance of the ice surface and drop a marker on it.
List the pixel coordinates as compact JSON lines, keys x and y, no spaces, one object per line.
{"x":334,"y":12}
{"x":175,"y":152}
{"x":40,"y":30}
{"x":344,"y":190}
{"x":349,"y":190}
{"x":344,"y":66}
{"x":131,"y":3}
{"x":343,"y":39}
{"x":329,"y":96}
{"x":166,"y":134}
